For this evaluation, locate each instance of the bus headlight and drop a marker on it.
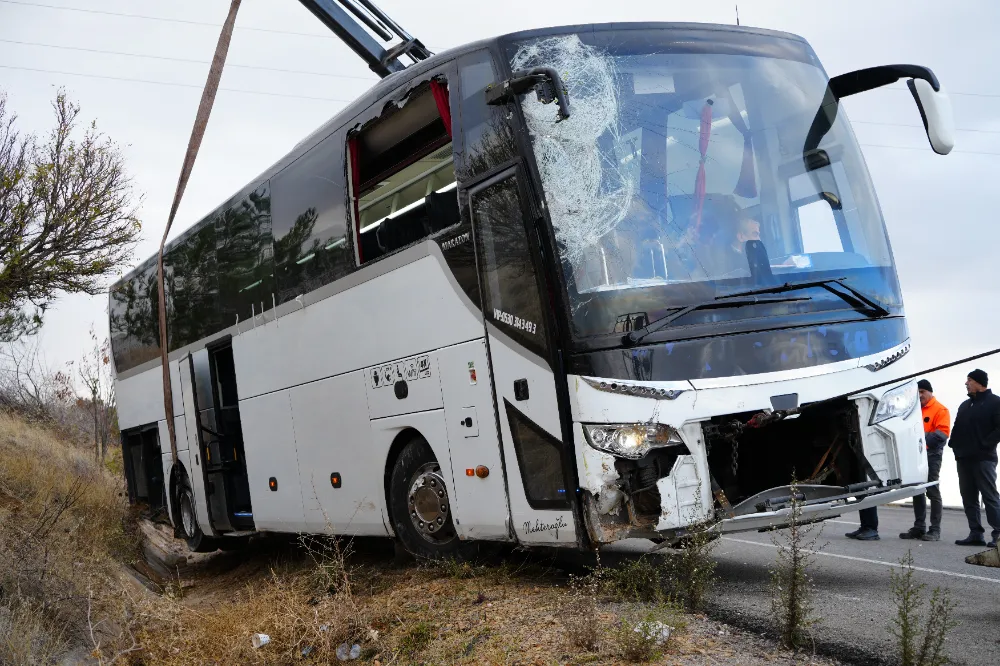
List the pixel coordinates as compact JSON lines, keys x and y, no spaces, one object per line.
{"x":630,"y":440}
{"x":900,"y":401}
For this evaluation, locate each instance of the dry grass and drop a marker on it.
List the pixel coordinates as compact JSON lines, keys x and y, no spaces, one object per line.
{"x":66,"y":536}
{"x":64,"y":529}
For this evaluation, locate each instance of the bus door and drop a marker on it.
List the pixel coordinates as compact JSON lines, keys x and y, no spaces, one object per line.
{"x":527,"y":408}
{"x":226,"y":465}
{"x":217,"y":465}
{"x":196,"y":445}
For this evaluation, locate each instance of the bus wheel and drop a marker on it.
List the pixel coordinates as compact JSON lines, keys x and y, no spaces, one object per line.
{"x":421,"y":507}
{"x":196,"y":540}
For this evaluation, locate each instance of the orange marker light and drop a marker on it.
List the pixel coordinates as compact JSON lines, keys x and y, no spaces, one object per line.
{"x":482,"y":471}
{"x":470,"y":472}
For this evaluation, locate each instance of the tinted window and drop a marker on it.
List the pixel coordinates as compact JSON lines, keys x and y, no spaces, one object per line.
{"x":135,"y":319}
{"x":512,"y":297}
{"x":310,"y":221}
{"x":245,"y":257}
{"x":486,"y":137}
{"x":539,"y":456}
{"x":192,"y":287}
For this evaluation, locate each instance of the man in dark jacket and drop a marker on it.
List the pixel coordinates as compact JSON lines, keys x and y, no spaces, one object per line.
{"x":974,"y":439}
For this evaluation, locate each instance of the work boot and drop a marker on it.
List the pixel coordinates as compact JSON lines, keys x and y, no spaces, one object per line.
{"x":912,"y":533}
{"x":972,"y":540}
{"x":933,"y":535}
{"x":855,"y":533}
{"x":866,"y":534}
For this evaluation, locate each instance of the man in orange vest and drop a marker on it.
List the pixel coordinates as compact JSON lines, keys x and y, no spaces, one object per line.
{"x":937,"y":427}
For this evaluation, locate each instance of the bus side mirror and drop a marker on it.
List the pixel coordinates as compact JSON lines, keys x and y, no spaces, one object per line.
{"x":545,"y":81}
{"x":933,"y":103}
{"x":935,"y":111}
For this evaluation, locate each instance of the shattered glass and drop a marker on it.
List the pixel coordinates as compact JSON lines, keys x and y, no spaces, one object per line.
{"x":593,"y":195}
{"x":673,"y":159}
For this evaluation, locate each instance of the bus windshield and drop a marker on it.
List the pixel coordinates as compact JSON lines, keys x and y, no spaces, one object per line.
{"x":682,"y":147}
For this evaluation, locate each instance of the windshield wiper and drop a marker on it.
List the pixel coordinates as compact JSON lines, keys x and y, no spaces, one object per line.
{"x":720,"y":302}
{"x":857,"y":300}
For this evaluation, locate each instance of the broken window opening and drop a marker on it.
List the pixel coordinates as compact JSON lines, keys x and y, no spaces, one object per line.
{"x":403,"y":174}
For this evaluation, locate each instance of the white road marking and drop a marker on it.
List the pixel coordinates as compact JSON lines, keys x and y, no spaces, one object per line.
{"x":869,"y":561}
{"x":842,"y":522}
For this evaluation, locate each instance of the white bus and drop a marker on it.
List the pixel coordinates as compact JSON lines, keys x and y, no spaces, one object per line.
{"x":457,"y":312}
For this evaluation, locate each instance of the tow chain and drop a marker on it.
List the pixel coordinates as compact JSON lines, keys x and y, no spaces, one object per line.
{"x":736,"y":456}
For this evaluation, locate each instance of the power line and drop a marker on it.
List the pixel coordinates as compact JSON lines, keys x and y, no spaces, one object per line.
{"x":158,"y":18}
{"x":187,"y":60}
{"x":906,"y":90}
{"x":168,"y":83}
{"x":964,"y":152}
{"x":349,"y":76}
{"x":957,"y":129}
{"x":346,"y":101}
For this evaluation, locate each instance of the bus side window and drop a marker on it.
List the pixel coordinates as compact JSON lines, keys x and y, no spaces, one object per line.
{"x":403,"y":174}
{"x":513,"y":303}
{"x":486,"y":139}
{"x":309,"y":221}
{"x":192,"y":291}
{"x":245,"y":269}
{"x":135,"y":319}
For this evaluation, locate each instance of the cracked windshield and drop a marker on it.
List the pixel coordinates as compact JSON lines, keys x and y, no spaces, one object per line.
{"x":671,"y":162}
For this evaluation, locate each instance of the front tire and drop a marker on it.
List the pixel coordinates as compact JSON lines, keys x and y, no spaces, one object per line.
{"x":421,"y":505}
{"x":196,"y":540}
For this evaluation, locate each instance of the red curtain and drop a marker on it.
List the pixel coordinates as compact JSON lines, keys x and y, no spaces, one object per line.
{"x":440,"y":92}
{"x":352,"y":147}
{"x":699,"y":183}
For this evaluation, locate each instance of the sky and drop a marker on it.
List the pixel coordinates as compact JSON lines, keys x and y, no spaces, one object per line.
{"x":939,"y":211}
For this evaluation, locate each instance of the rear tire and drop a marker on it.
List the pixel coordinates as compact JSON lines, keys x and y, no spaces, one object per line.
{"x":196,"y":540}
{"x":421,"y":506}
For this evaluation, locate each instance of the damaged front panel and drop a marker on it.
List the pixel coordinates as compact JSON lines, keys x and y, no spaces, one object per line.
{"x":657,"y":494}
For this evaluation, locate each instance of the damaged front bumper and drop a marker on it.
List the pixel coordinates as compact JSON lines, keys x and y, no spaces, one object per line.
{"x":668,"y":493}
{"x":779,"y":514}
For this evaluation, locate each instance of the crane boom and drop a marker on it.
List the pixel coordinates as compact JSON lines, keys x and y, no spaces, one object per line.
{"x":360,"y":25}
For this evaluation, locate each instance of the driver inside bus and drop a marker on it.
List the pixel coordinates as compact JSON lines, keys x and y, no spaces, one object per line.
{"x":729,"y":257}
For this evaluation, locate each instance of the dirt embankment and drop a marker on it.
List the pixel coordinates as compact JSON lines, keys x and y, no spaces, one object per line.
{"x":74,"y":588}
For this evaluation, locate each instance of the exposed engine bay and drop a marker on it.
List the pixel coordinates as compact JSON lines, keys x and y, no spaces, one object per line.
{"x":752,"y":461}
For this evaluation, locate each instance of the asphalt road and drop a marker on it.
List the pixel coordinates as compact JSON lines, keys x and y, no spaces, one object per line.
{"x":853,"y":597}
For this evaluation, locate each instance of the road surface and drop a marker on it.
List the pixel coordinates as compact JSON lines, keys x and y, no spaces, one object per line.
{"x":852,"y":587}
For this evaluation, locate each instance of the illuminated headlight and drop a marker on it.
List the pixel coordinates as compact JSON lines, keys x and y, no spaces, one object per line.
{"x":631,"y":440}
{"x":900,"y":401}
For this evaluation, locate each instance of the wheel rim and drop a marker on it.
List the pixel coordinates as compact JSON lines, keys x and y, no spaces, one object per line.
{"x":187,"y":515}
{"x":429,"y":505}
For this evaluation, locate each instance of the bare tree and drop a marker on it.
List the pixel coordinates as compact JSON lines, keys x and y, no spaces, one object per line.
{"x":27,"y":384}
{"x":99,"y":397}
{"x":67,"y":216}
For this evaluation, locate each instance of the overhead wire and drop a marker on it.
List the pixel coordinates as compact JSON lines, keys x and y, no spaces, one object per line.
{"x":346,"y":101}
{"x":370,"y":79}
{"x":166,"y":19}
{"x":159,"y":18}
{"x":170,"y":83}
{"x":957,"y":129}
